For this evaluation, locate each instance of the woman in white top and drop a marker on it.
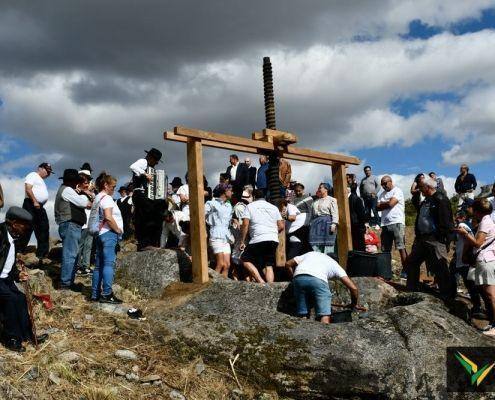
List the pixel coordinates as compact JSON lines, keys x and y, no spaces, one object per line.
{"x":325,"y":217}
{"x":111,"y":228}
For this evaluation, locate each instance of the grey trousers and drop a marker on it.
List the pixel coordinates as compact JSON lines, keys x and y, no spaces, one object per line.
{"x":85,"y":247}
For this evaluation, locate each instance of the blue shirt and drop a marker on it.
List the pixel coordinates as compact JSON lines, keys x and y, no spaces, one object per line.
{"x":261,"y":177}
{"x":218,"y":216}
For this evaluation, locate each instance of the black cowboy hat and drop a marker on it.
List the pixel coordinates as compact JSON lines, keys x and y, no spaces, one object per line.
{"x":176,"y":182}
{"x":86,"y":167}
{"x":155,"y":153}
{"x":71,"y":175}
{"x":122,"y":188}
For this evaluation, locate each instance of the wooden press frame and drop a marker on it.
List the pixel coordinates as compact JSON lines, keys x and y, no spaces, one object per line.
{"x":261,"y":143}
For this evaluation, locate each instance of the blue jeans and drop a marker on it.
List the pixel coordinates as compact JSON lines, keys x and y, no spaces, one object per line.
{"x":70,"y":233}
{"x":104,"y":264}
{"x":370,"y":205}
{"x":309,"y":291}
{"x":85,"y":247}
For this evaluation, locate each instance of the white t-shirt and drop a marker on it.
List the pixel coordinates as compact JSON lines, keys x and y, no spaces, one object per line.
{"x":106,"y":201}
{"x":293,"y":226}
{"x":184,"y":190}
{"x":492,"y":202}
{"x":459,"y":247}
{"x":263,"y":218}
{"x":394,"y":215}
{"x":318,"y":265}
{"x":39,"y":187}
{"x":10,"y":261}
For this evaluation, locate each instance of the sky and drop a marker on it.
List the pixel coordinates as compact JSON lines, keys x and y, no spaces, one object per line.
{"x":406,"y":86}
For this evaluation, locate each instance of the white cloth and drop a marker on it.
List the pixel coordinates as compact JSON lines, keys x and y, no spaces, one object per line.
{"x":492,"y":202}
{"x":79,"y":200}
{"x":106,"y":201}
{"x":263,"y":218}
{"x":394,"y":215}
{"x":292,"y":226}
{"x":184,"y":190}
{"x":10,"y":261}
{"x":220,"y":246}
{"x":459,"y":247}
{"x":318,"y":265}
{"x":139,"y":167}
{"x":88,"y":212}
{"x":40,"y":190}
{"x":233,"y":172}
{"x":173,"y":228}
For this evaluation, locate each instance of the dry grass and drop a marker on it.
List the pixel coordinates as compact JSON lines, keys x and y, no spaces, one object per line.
{"x":95,"y":337}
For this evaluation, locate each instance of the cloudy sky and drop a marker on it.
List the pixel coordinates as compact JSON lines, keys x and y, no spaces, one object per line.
{"x":407,"y":86}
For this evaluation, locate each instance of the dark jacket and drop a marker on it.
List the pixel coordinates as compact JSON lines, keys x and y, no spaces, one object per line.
{"x":261,"y":180}
{"x":466,"y":184}
{"x":357,"y":210}
{"x":252,"y":176}
{"x":4,"y":252}
{"x":440,"y":212}
{"x":241,"y":178}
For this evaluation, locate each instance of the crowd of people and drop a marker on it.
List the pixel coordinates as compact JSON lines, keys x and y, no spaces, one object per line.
{"x":244,"y":229}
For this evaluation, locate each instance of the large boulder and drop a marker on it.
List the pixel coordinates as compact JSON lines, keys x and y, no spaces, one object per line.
{"x":152,"y":271}
{"x":395,"y":351}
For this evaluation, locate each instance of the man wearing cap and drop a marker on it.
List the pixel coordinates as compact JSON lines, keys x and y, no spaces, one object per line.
{"x":70,"y":216}
{"x":14,"y":316}
{"x":36,"y":197}
{"x":143,"y":207}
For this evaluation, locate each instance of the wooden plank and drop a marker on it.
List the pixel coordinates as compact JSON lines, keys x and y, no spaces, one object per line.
{"x":199,"y":251}
{"x":209,"y":143}
{"x":287,"y":137}
{"x":340,"y":158}
{"x":168,"y":135}
{"x":220,"y":137}
{"x":344,"y":238}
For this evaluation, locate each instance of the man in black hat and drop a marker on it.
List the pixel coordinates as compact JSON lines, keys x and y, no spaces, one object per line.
{"x":125,"y":207}
{"x":70,"y":216}
{"x":147,"y":223}
{"x":14,"y":317}
{"x":36,"y":197}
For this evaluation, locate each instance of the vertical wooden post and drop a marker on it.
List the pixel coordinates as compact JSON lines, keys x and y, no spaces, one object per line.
{"x":344,"y":238}
{"x":197,"y":211}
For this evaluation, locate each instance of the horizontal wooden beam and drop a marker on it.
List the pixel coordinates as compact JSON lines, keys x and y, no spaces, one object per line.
{"x":220,"y":137}
{"x":336,"y":157}
{"x":236,"y":143}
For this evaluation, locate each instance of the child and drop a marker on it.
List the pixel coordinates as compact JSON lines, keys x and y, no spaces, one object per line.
{"x":371,"y":240}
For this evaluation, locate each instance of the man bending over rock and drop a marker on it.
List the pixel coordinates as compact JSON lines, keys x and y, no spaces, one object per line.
{"x":311,"y":275}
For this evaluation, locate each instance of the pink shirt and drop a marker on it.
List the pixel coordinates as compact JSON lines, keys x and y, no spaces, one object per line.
{"x":487,"y":226}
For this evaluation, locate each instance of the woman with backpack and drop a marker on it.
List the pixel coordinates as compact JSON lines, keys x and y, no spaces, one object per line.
{"x":108,"y":230}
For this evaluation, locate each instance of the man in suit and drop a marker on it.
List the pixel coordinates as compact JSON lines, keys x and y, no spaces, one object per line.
{"x":14,"y":316}
{"x":251,"y":172}
{"x":239,"y":176}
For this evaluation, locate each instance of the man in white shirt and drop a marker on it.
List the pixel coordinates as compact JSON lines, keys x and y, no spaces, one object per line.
{"x":70,"y":216}
{"x":145,"y":220}
{"x":36,"y":197}
{"x":392,"y":205}
{"x":311,"y":275}
{"x":171,"y":225}
{"x":16,"y":325}
{"x":297,"y":231}
{"x":263,"y":222}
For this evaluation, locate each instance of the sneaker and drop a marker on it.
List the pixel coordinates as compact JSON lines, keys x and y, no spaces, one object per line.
{"x":478,"y":314}
{"x":83,"y":271}
{"x":490,"y":331}
{"x":14,"y":345}
{"x":111,"y":299}
{"x":486,"y":328}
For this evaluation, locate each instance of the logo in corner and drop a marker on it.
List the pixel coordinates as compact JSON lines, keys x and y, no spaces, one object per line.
{"x":476,"y":375}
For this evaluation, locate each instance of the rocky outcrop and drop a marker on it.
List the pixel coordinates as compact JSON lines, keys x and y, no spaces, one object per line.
{"x":395,"y":351}
{"x":152,"y":271}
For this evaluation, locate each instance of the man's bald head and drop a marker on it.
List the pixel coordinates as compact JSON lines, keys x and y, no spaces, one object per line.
{"x":387,"y":183}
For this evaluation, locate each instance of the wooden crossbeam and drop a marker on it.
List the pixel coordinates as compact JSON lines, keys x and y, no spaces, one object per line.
{"x":261,"y":145}
{"x":168,"y":135}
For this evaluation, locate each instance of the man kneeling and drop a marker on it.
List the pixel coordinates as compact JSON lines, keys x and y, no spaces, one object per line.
{"x":14,"y":317}
{"x":313,"y":270}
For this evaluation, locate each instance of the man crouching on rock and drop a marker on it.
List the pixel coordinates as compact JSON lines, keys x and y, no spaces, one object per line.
{"x":14,"y":315}
{"x":311,"y":275}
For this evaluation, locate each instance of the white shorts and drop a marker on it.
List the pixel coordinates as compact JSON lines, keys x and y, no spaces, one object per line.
{"x":220,"y":246}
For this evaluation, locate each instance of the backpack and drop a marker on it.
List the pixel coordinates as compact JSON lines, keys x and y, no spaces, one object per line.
{"x":95,"y":220}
